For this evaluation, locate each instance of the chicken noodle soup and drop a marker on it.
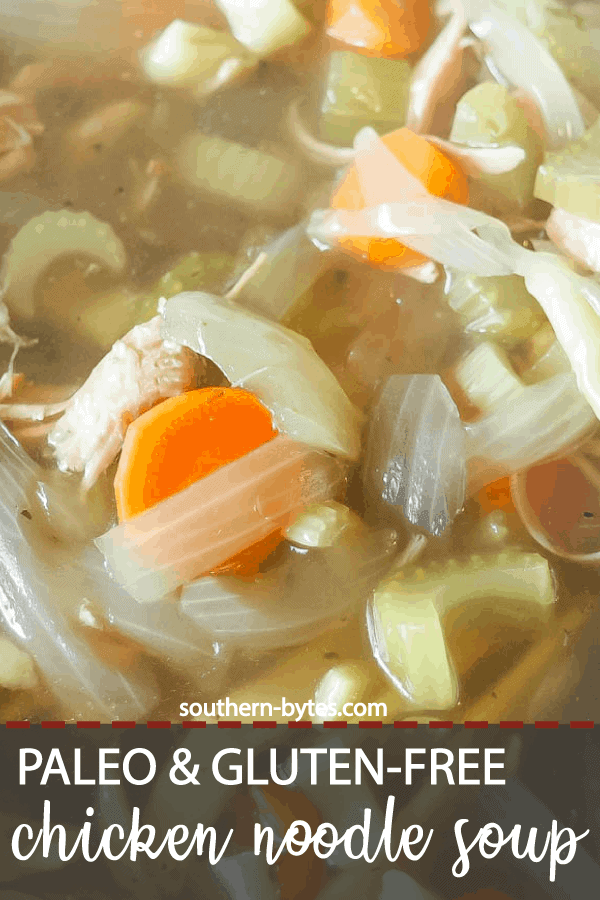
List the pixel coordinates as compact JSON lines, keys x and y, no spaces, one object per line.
{"x":300,"y":326}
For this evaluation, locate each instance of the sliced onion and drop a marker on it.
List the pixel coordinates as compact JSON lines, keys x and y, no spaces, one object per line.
{"x":579,"y":238}
{"x":438,"y":68}
{"x":415,"y":460}
{"x":543,"y":420}
{"x":317,"y":151}
{"x":310,"y":593}
{"x":48,"y":237}
{"x":566,"y":508}
{"x":276,"y":364}
{"x":481,"y":160}
{"x":526,"y":63}
{"x":572,"y":305}
{"x":218,"y":516}
{"x":37,"y":599}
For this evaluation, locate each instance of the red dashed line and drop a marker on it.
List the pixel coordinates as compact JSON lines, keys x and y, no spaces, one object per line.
{"x":546,"y":724}
{"x":193,"y":724}
{"x":123,"y":724}
{"x":161,"y":724}
{"x":510,"y":724}
{"x":55,"y":724}
{"x":406,"y":724}
{"x":441,"y":724}
{"x":335,"y":723}
{"x":264,"y":724}
{"x":476,"y":724}
{"x":88,"y":724}
{"x":227,"y":724}
{"x":22,"y":724}
{"x":584,"y":724}
{"x":306,"y":724}
{"x":368,"y":724}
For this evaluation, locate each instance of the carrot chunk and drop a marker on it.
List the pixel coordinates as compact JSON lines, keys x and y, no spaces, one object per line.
{"x":379,"y":27}
{"x":496,"y":495}
{"x":184,"y":439}
{"x":435,"y":172}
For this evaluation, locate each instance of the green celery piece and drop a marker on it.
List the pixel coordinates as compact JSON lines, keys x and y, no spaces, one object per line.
{"x":570,"y":178}
{"x":499,"y":307}
{"x":409,"y":606}
{"x":487,"y":115}
{"x":362,"y":90}
{"x":106,"y":317}
{"x":244,"y":176}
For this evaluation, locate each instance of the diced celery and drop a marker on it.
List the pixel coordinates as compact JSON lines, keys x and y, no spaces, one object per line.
{"x":362,"y":90}
{"x":409,"y":607}
{"x":488,"y":115}
{"x":105,"y":317}
{"x":570,"y":178}
{"x":486,"y":377}
{"x":241,"y":175}
{"x":195,"y":58}
{"x":499,"y":307}
{"x":264,"y":26}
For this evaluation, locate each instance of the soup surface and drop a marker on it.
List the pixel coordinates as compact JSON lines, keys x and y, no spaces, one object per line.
{"x":300,"y":328}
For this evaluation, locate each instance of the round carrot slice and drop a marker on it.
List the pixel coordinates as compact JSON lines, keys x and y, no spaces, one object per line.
{"x":435,"y":172}
{"x":185,"y":438}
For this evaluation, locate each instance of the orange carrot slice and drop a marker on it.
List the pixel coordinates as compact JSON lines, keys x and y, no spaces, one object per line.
{"x":434,"y":170}
{"x":185,"y":438}
{"x":379,"y":27}
{"x":496,"y":495}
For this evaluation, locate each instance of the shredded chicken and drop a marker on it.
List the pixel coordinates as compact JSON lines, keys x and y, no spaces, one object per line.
{"x":18,"y":124}
{"x":140,"y":370}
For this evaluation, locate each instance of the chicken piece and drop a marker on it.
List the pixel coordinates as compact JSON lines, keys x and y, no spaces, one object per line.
{"x":18,"y":124}
{"x":140,"y":370}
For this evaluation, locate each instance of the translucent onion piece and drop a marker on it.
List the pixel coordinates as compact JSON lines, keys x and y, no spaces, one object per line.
{"x":439,"y":229}
{"x":317,"y":151}
{"x":572,"y":305}
{"x":218,"y":516}
{"x":406,"y":617}
{"x":415,"y":460}
{"x":481,"y":160}
{"x":17,"y":670}
{"x":38,"y":596}
{"x":264,"y":26}
{"x":308,"y":594}
{"x":540,"y":422}
{"x":48,"y":237}
{"x":438,"y":68}
{"x":288,"y":267}
{"x":526,"y":63}
{"x":195,"y":58}
{"x":579,"y":238}
{"x":159,"y":627}
{"x":276,"y":364}
{"x":569,"y":509}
